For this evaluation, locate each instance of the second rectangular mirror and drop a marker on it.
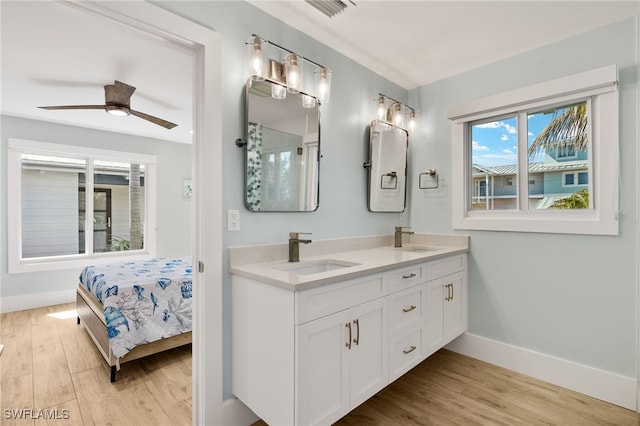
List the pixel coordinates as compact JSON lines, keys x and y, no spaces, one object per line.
{"x":388,"y":147}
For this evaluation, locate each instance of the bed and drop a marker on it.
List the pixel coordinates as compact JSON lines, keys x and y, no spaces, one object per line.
{"x":133,"y":309}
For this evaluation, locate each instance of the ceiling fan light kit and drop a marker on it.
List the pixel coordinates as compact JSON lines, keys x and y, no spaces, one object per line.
{"x":117,"y":98}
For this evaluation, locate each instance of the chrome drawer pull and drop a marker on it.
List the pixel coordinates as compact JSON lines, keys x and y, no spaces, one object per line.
{"x":409,"y":309}
{"x":408,"y":351}
{"x":411,"y":275}
{"x":348,"y":344}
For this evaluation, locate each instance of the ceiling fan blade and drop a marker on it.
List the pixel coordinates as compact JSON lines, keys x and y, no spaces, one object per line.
{"x":159,"y":121}
{"x":73,"y":107}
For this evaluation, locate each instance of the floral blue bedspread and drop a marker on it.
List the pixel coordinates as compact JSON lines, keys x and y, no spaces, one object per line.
{"x":143,"y":301}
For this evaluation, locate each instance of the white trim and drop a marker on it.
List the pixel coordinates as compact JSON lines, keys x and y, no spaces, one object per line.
{"x":600,"y":80}
{"x":38,"y":300}
{"x":15,"y":262}
{"x":600,"y":384}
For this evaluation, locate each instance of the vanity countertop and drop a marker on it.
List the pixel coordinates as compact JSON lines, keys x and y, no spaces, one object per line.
{"x":269,"y":263}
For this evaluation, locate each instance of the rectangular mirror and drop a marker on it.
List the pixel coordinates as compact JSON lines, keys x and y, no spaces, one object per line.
{"x":388,"y":148}
{"x":282,"y":149}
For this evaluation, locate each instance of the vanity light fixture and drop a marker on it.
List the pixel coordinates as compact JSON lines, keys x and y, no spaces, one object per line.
{"x":396,"y":112}
{"x":289,"y":72}
{"x":308,"y":101}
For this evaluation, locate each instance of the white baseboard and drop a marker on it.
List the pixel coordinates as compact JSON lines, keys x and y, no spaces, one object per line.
{"x":234,"y":412}
{"x":603,"y":385}
{"x":36,"y":300}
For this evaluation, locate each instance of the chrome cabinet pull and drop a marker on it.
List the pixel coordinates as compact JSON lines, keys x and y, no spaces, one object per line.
{"x":409,"y":309}
{"x":451,"y":291}
{"x":408,"y":351}
{"x":411,"y":275}
{"x":357,"y":339}
{"x":348,"y":344}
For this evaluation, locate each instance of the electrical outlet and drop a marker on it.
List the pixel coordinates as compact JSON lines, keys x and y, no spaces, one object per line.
{"x":233,"y":220}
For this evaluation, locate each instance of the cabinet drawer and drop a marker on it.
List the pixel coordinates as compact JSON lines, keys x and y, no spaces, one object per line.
{"x":327,"y":299}
{"x":444,"y":267}
{"x":406,"y":308}
{"x":405,"y":351}
{"x":400,"y":279}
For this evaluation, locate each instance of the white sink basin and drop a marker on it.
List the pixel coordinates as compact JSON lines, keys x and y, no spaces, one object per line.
{"x":418,"y":249}
{"x":315,"y":266}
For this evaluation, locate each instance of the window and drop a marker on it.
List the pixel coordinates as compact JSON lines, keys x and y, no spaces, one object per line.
{"x":544,"y":140}
{"x":71,"y":203}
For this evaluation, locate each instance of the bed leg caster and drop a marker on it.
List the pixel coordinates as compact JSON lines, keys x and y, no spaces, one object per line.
{"x":113,"y":373}
{"x":78,"y":320}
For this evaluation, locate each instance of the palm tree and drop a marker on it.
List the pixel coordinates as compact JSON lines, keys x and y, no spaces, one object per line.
{"x":577,"y":200}
{"x":570,"y":126}
{"x":135,"y":210}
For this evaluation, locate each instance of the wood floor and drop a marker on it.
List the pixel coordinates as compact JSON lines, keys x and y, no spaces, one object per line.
{"x":49,"y":362}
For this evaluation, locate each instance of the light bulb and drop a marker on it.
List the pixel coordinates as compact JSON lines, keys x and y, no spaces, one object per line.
{"x":308,"y":101}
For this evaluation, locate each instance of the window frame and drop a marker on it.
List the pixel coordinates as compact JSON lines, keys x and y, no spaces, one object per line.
{"x":600,"y":88}
{"x":17,"y":147}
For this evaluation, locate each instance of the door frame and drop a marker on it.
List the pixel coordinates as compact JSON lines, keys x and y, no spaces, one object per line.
{"x":209,"y":406}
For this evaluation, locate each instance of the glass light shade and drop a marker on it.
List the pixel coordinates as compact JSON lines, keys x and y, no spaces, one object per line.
{"x":278,"y":91}
{"x":293,"y":72}
{"x":308,"y":101}
{"x":398,"y":117}
{"x":382,"y":108}
{"x":256,"y":59}
{"x":412,"y":120}
{"x":323,"y":84}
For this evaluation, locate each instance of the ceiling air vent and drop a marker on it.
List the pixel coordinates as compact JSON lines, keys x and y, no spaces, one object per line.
{"x":329,"y":7}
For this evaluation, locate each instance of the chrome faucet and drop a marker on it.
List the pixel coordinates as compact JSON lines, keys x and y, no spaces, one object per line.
{"x":294,"y":245}
{"x":398,"y":235}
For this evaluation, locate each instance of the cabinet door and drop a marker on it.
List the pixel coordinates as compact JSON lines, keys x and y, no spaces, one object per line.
{"x":455,"y":312}
{"x":369,"y":352}
{"x":322,"y":369}
{"x":446,"y":310}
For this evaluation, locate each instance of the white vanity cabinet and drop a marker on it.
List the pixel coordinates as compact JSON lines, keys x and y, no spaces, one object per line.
{"x":310,"y":356}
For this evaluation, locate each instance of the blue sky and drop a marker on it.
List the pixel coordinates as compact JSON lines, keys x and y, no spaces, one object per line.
{"x":496,"y":143}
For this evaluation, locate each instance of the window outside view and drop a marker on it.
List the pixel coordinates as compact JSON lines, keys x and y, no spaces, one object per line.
{"x":55,"y":200}
{"x":558,"y":167}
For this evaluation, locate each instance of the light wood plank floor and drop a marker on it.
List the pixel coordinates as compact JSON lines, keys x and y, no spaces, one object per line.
{"x":50,"y":363}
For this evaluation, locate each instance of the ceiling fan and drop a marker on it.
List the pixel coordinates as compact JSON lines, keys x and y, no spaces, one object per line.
{"x":117,"y":99}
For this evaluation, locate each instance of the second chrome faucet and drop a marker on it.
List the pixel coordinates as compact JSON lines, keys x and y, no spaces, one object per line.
{"x":294,"y":245}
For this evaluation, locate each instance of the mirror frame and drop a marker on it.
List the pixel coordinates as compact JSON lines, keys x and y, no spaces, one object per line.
{"x":373,"y":164}
{"x":315,"y":159}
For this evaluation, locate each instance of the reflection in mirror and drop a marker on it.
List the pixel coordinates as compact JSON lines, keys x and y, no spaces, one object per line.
{"x":388,"y":147}
{"x":282,"y":150}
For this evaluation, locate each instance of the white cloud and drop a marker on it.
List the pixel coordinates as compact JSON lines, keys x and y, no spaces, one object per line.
{"x":504,"y":138}
{"x":512,"y":130}
{"x":477,"y":147}
{"x":507,"y":151}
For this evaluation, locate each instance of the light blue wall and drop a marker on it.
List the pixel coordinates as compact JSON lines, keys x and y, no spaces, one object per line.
{"x":344,"y":137}
{"x":173,"y":214}
{"x":568,"y":296}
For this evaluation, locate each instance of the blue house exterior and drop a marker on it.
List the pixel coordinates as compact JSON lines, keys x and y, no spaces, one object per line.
{"x":563,"y":172}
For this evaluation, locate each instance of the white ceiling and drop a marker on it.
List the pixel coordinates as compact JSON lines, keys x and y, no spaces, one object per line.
{"x":54,"y":54}
{"x":413,"y":43}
